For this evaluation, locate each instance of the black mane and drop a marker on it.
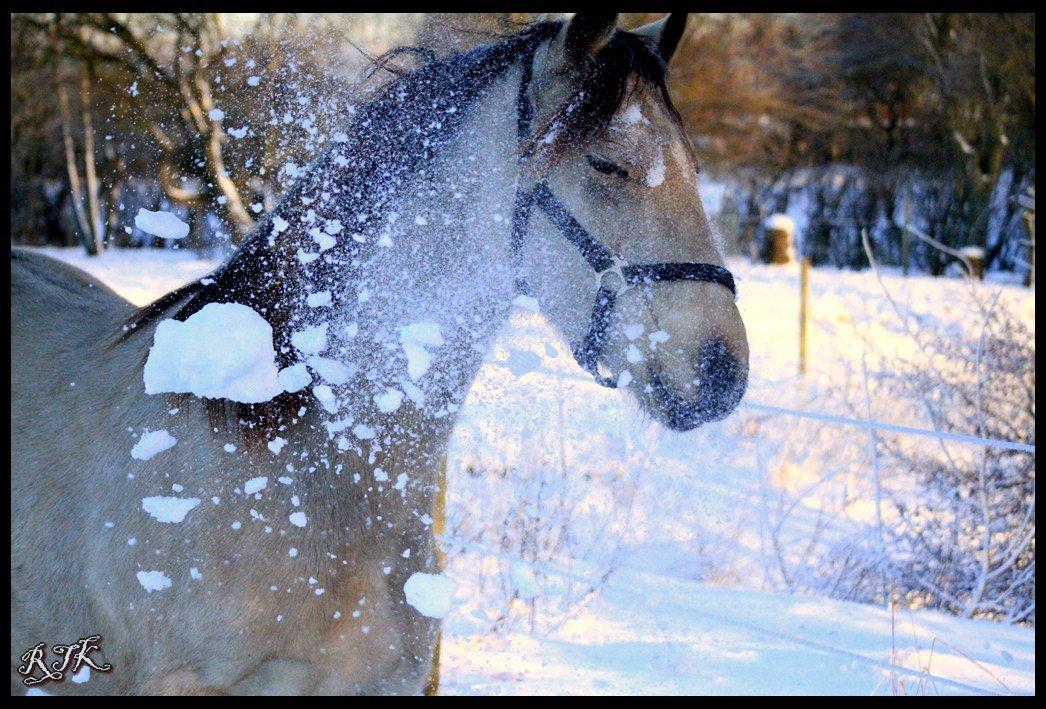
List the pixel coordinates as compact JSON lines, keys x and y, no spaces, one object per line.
{"x":392,"y":139}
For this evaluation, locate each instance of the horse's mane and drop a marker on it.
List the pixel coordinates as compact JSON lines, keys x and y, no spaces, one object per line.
{"x":391,"y":141}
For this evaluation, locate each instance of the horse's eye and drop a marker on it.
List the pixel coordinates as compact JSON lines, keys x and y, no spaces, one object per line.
{"x":606,"y":167}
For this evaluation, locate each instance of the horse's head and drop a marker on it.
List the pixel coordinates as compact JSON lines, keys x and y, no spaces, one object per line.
{"x":610,"y":147}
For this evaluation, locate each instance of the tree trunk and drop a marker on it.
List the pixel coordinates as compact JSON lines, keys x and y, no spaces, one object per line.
{"x":94,"y":210}
{"x":82,"y":220}
{"x":217,"y":173}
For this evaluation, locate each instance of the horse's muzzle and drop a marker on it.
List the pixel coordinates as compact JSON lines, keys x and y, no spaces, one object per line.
{"x":720,"y":381}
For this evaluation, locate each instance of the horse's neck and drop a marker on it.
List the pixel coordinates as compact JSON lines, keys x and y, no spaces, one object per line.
{"x":442,"y":264}
{"x":443,"y":259}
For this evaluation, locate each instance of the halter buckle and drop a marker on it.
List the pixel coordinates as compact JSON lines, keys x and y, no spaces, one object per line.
{"x":614,"y":274}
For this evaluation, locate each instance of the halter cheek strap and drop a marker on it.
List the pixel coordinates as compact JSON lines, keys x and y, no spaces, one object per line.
{"x":615,"y":276}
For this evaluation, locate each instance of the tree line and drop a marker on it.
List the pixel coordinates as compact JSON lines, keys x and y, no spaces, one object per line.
{"x":861,"y":122}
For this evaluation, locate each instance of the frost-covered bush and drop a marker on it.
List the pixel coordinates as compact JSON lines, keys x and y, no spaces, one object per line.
{"x":958,"y":520}
{"x":870,"y":515}
{"x":965,"y":540}
{"x":535,"y":514}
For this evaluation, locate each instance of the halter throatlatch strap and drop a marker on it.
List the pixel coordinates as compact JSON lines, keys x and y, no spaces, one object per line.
{"x":588,"y":352}
{"x":599,"y":257}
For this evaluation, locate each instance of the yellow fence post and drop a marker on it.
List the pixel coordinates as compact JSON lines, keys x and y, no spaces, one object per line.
{"x":804,"y":311}
{"x":439,"y":523}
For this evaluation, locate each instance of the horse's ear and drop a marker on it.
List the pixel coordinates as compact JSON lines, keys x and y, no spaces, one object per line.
{"x":666,"y":32}
{"x":588,"y":32}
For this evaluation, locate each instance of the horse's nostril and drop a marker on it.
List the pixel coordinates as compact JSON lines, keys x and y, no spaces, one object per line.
{"x":716,"y":369}
{"x":719,"y":384}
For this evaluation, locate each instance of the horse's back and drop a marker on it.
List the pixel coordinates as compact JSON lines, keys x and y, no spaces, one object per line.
{"x":62,"y":325}
{"x":63,"y":322}
{"x":40,"y":282}
{"x":58,"y":314}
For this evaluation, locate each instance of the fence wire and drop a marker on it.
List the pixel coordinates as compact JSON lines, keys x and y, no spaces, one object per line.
{"x":551,"y":570}
{"x":817,"y":645}
{"x":837,"y":420}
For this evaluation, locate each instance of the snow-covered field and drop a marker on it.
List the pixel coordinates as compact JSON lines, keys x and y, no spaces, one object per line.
{"x":697,"y":529}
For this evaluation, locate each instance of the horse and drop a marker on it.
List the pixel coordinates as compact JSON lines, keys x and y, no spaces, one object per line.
{"x":547,"y":169}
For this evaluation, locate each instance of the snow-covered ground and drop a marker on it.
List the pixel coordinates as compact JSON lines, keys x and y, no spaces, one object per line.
{"x":650,"y":634}
{"x":696,"y":528}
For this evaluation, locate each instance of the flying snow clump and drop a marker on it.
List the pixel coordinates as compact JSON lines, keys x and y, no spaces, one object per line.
{"x":170,"y":510}
{"x":363,"y":432}
{"x":320,"y":299}
{"x":295,"y":377}
{"x":151,"y":443}
{"x":311,"y":340}
{"x":153,"y":580}
{"x":389,"y":400}
{"x":415,"y":339}
{"x":326,"y":397}
{"x":162,"y":224}
{"x":430,"y":594}
{"x":255,"y":484}
{"x":331,"y":370}
{"x":224,"y":351}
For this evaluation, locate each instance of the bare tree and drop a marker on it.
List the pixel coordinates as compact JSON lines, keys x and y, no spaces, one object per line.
{"x":170,"y":62}
{"x":983,"y":69}
{"x":87,"y":218}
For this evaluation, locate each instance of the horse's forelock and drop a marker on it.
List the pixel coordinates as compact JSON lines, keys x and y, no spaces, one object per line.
{"x":602,"y":84}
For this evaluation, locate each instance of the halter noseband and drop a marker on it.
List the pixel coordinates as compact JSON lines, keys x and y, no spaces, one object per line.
{"x":615,"y":275}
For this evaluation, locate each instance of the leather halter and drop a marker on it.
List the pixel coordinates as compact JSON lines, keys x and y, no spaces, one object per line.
{"x":615,"y":275}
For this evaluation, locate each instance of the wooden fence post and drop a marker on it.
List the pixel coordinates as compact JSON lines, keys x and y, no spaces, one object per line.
{"x":780,"y":235}
{"x":974,"y":258}
{"x":1029,"y":223}
{"x":906,"y":243}
{"x":804,"y":311}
